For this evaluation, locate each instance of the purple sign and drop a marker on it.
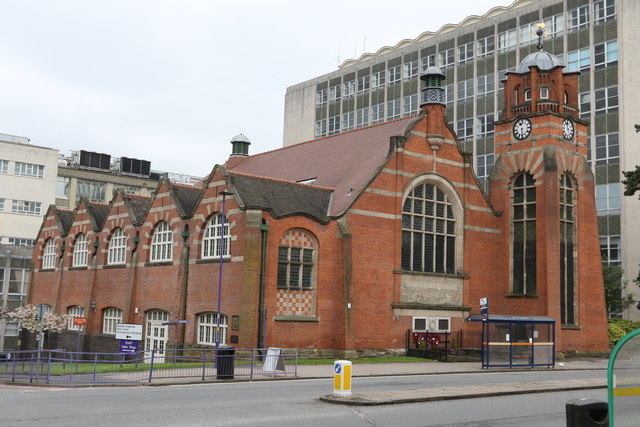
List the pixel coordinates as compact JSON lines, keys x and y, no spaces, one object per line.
{"x":128,"y":346}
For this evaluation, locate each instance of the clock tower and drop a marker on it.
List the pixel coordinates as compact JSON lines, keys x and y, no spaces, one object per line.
{"x":545,"y":189}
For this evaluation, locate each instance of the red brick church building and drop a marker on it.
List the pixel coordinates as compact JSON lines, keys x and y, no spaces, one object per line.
{"x":340,"y":244}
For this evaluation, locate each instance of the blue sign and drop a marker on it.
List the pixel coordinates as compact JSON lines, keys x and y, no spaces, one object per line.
{"x":338,"y":368}
{"x":128,"y":346}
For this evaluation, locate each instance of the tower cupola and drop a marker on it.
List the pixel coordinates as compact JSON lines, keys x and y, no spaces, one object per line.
{"x":433,"y":92}
{"x":240,"y":146}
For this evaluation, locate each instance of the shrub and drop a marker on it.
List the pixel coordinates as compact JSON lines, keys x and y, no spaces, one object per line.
{"x":618,"y":328}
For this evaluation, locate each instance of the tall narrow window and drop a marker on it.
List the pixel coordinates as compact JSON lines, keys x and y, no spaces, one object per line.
{"x":524,"y":235}
{"x":211,"y":238}
{"x":296,"y":275}
{"x":112,"y":316}
{"x":117,"y":247}
{"x":162,"y":243}
{"x":428,"y":231}
{"x":80,"y":251}
{"x":49,"y":255}
{"x":567,"y":266}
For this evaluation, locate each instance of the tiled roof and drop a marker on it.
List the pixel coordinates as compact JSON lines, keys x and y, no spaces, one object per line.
{"x":345,"y":162}
{"x":66,"y":219}
{"x":138,"y":206}
{"x":282,"y":198}
{"x":186,"y":197}
{"x":99,"y":212}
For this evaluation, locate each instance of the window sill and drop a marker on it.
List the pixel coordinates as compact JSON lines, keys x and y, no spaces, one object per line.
{"x":295,"y":289}
{"x":158,"y":263}
{"x":109,"y":267}
{"x":571,"y":327}
{"x":213,"y":260}
{"x":424,"y":273}
{"x":521,"y":296}
{"x":296,"y":319}
{"x":77,"y":268}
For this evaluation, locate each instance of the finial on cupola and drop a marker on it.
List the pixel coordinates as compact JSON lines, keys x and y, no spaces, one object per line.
{"x":539,"y":33}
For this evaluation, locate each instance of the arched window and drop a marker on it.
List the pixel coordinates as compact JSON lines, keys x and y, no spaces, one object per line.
{"x":74,"y":311}
{"x":80,"y":251}
{"x":117,"y":247}
{"x":49,"y":255}
{"x":524,"y":235}
{"x":162,"y":243}
{"x":428,"y":231}
{"x":544,"y":93}
{"x":111,"y":317}
{"x":527,"y":95}
{"x":211,"y":238}
{"x":567,"y":265}
{"x":207,"y":323}
{"x":296,"y":279}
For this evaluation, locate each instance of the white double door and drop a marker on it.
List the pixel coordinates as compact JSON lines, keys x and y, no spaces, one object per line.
{"x":156,"y":335}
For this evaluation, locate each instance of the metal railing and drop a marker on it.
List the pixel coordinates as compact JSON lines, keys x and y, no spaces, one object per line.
{"x":60,"y":366}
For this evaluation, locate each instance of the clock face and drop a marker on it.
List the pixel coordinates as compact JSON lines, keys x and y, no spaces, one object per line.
{"x":522,"y":128}
{"x":568,"y":129}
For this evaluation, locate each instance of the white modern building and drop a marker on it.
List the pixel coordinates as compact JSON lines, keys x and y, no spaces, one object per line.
{"x":600,"y":38}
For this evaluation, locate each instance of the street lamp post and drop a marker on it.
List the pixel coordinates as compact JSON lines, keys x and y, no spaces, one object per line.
{"x":224,"y":194}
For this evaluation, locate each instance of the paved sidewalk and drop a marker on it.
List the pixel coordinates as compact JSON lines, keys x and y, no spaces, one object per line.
{"x":448,"y":393}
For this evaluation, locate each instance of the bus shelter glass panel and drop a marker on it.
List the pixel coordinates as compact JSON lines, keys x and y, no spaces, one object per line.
{"x":543,"y":344}
{"x":624,"y":381}
{"x":498,"y":347}
{"x":521,"y":343}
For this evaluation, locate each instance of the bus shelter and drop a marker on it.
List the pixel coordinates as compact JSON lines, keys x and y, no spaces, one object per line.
{"x":517,"y":341}
{"x":624,"y":381}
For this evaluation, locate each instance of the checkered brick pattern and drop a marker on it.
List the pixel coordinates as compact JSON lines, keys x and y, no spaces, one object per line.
{"x":294,"y":303}
{"x":297,"y":238}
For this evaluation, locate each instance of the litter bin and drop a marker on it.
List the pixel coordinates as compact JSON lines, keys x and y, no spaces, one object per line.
{"x":587,"y":413}
{"x":224,"y":362}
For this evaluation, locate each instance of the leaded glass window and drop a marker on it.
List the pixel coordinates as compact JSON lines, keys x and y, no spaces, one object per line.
{"x":524,"y":235}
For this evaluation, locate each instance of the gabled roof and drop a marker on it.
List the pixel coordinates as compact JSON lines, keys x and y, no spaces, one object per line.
{"x":98,"y":213}
{"x":345,"y":162}
{"x":281,"y":198}
{"x":138,"y":206}
{"x":186,"y":197}
{"x":66,"y":219}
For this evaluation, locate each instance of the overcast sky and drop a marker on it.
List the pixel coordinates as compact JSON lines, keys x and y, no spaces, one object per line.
{"x":173,"y":81}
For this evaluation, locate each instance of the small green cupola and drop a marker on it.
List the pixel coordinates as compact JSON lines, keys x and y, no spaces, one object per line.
{"x":433,"y":92}
{"x":240,"y":146}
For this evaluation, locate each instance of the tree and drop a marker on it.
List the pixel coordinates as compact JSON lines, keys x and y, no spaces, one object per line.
{"x":28,"y":317}
{"x":613,"y":287}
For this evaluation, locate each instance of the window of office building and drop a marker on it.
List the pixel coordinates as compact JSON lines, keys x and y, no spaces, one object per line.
{"x":554,"y":25}
{"x":363,"y":84}
{"x":334,"y":93}
{"x":394,"y":75}
{"x":607,"y":149}
{"x":410,"y":70}
{"x":465,"y":90}
{"x":410,"y":105}
{"x":362,"y":117}
{"x":465,"y":53}
{"x":393,"y":109}
{"x":4,"y":166}
{"x":19,"y":272}
{"x":464,"y":129}
{"x":608,"y":199}
{"x":26,"y":207}
{"x":485,"y":128}
{"x":321,"y":128}
{"x":334,"y":125}
{"x":485,"y":85}
{"x":378,"y":80}
{"x":348,"y":121}
{"x":578,"y":60}
{"x":486,"y":46}
{"x":29,"y":169}
{"x":605,"y":54}
{"x":19,"y":241}
{"x":62,"y":187}
{"x":603,"y":11}
{"x":446,"y":58}
{"x":377,"y":114}
{"x":484,"y":163}
{"x":585,"y":105}
{"x":606,"y":100}
{"x":506,"y":40}
{"x":610,"y":250}
{"x":528,"y":34}
{"x":448,"y":94}
{"x":349,"y":89}
{"x":428,"y":61}
{"x":93,"y":191}
{"x":578,"y":18}
{"x":2,"y":203}
{"x":321,"y":97}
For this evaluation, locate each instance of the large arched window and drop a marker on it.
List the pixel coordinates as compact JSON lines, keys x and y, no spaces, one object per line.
{"x":162,"y":243}
{"x":74,"y":311}
{"x":117,"y":247}
{"x":211,"y":238}
{"x":567,"y":265}
{"x":428,"y":231}
{"x":524,"y":234}
{"x":80,"y":251}
{"x":49,"y":255}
